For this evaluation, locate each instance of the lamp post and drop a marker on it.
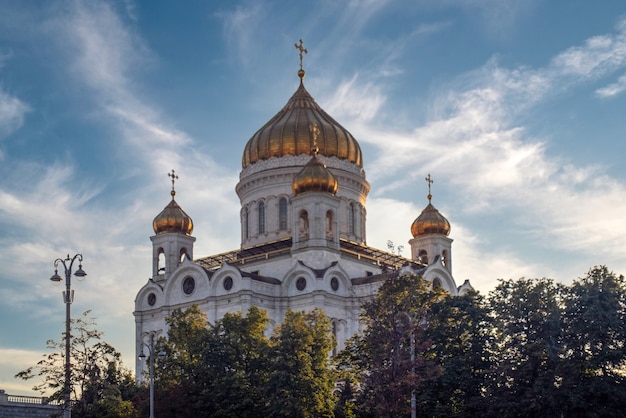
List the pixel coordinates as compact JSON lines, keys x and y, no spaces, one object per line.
{"x":142,"y":357}
{"x":68,"y":298}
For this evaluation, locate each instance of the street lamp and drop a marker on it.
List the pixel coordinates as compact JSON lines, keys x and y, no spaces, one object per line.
{"x":68,"y":298}
{"x":142,"y":357}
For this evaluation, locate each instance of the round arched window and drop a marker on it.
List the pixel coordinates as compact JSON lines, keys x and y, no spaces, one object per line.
{"x":151,"y":299}
{"x":334,"y":284}
{"x":228,"y":283}
{"x":300,"y":283}
{"x":189,"y":284}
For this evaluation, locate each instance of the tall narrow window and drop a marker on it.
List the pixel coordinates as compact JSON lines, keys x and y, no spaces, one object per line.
{"x":282,"y":214}
{"x":246,"y":223}
{"x":351,"y":220}
{"x":423,"y":257}
{"x":261,"y":218}
{"x":303,"y":225}
{"x":161,"y":261}
{"x":330,"y":232}
{"x":444,"y":259}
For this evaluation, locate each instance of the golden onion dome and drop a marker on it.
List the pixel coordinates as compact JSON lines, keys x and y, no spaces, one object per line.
{"x":430,"y":220}
{"x":287,"y":133}
{"x":314,"y":177}
{"x":173,"y":218}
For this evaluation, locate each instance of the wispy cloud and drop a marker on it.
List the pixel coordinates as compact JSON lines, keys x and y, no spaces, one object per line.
{"x":12,"y":114}
{"x":240,"y":27}
{"x":613,"y":89}
{"x":598,"y":56}
{"x":54,"y":210}
{"x":475,"y":140}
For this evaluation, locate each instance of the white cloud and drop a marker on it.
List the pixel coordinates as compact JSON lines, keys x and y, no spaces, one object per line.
{"x":597,"y":57}
{"x":357,"y":102}
{"x":613,"y":89}
{"x":473,"y":139}
{"x":240,"y":28}
{"x":12,"y":114}
{"x":103,"y":51}
{"x":57,"y":210}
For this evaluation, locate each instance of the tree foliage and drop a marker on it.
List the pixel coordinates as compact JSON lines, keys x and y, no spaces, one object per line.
{"x":561,"y":350}
{"x":595,"y":342}
{"x":461,"y":332}
{"x":99,"y":384}
{"x":381,"y":357}
{"x":528,"y":350}
{"x":231,"y":368}
{"x":300,"y":382}
{"x":531,"y":348}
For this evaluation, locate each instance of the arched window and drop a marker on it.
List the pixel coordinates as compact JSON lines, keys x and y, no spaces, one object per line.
{"x":261,"y":217}
{"x":423,"y":257}
{"x":444,"y":259}
{"x":183,"y":254}
{"x":282,"y":214}
{"x":330,"y":231}
{"x":351,"y":219}
{"x":161,"y":261}
{"x":303,"y":225}
{"x":436,"y":283}
{"x":246,"y":223}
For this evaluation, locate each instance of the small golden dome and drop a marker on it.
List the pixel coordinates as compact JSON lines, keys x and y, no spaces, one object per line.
{"x":314,"y":177}
{"x":288,"y":133}
{"x":429,"y":222}
{"x":173,"y":218}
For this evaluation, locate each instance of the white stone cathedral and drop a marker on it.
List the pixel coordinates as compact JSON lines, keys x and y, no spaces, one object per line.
{"x":302,"y":189}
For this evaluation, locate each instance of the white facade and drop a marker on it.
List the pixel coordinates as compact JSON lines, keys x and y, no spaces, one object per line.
{"x":297,"y":252}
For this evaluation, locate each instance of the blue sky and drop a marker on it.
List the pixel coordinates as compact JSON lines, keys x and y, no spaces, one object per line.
{"x":515,"y":109}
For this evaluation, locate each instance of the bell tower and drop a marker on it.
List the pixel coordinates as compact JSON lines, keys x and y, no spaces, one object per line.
{"x":430,"y":232}
{"x":173,"y":240}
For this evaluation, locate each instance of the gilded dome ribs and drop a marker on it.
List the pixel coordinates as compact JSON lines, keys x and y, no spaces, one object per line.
{"x":287,"y":133}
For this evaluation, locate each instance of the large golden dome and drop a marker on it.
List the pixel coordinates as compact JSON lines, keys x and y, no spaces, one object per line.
{"x":288,"y":133}
{"x":314,"y":177}
{"x":430,"y":222}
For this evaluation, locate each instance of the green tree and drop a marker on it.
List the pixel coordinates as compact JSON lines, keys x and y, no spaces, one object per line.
{"x":215,"y":370}
{"x":232,"y":369}
{"x":300,"y":382}
{"x":461,"y":330}
{"x":381,"y":357}
{"x":528,"y":366}
{"x":237,"y":359}
{"x":181,"y":374}
{"x":98,"y":379}
{"x":595,"y":328}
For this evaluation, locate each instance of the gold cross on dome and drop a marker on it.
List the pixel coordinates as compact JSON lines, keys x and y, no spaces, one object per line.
{"x":430,"y":181}
{"x":302,"y":51}
{"x":174,"y":177}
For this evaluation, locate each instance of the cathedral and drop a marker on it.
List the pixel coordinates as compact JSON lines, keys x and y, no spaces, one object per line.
{"x":303,"y":191}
